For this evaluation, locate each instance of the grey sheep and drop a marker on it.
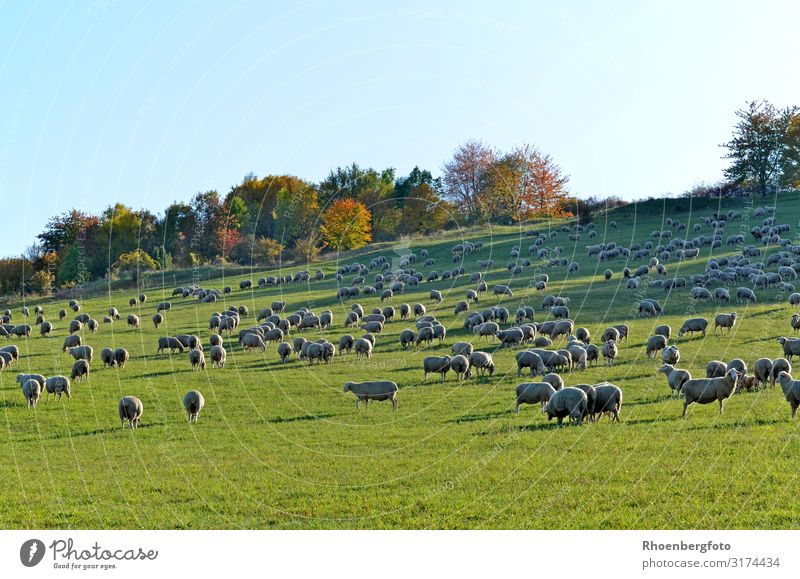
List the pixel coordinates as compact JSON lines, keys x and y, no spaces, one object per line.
{"x":463,"y":348}
{"x":608,"y":399}
{"x":791,"y":347}
{"x":346,"y":343}
{"x":502,"y":290}
{"x":693,"y":325}
{"x":675,"y":377}
{"x":133,"y":321}
{"x":80,"y":370}
{"x":197,"y":359}
{"x":373,"y":327}
{"x":436,"y":365}
{"x":218,"y":356}
{"x":762,"y":369}
{"x":75,"y":326}
{"x":248,"y":341}
{"x":794,"y":322}
{"x":567,"y":402}
{"x":482,"y":361}
{"x":460,"y":365}
{"x":791,"y":391}
{"x":121,"y":357}
{"x":716,"y":369}
{"x":724,"y":321}
{"x":663,"y":330}
{"x":215,"y":340}
{"x":82,"y":353}
{"x":670,"y":355}
{"x":374,"y":390}
{"x":407,"y":338}
{"x":169,"y":343}
{"x":363,"y":348}
{"x":22,"y":378}
{"x":533,"y":393}
{"x":583,"y":335}
{"x":130,"y":410}
{"x":745,"y":294}
{"x":654,"y":345}
{"x":610,"y":352}
{"x":32,"y":390}
{"x":780,"y":365}
{"x":45,"y":328}
{"x":58,"y":386}
{"x":610,"y":334}
{"x":107,"y":357}
{"x":532,"y":360}
{"x":193,"y":403}
{"x":623,"y":332}
{"x":158,"y":319}
{"x":707,"y":390}
{"x":285,"y":350}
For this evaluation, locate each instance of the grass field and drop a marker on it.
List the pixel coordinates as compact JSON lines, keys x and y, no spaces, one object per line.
{"x":281,"y":446}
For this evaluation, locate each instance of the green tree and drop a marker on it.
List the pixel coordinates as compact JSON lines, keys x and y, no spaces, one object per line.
{"x":763,"y":146}
{"x":424,"y":211}
{"x":134,"y":263}
{"x":41,"y":282}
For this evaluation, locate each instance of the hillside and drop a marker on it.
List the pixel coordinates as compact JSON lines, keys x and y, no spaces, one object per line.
{"x":280,"y":445}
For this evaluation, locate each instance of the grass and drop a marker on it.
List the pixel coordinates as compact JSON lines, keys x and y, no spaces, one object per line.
{"x":281,"y":446}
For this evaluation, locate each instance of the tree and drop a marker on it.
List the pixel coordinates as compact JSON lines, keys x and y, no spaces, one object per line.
{"x":404,"y":186}
{"x":464,"y":177}
{"x":252,"y":250}
{"x":763,"y":146}
{"x":134,"y":263}
{"x":307,"y":249}
{"x":424,"y":211}
{"x":346,"y":225}
{"x":296,"y":213}
{"x":41,"y":281}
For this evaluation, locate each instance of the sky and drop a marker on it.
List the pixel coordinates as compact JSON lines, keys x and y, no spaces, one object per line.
{"x":145,"y":103}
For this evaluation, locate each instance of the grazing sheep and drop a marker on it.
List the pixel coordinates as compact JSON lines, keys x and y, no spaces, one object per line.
{"x":436,"y":364}
{"x":482,"y":361}
{"x":130,"y":410}
{"x":716,"y":369}
{"x":762,"y":369}
{"x":363,"y":348}
{"x":133,"y":321}
{"x":215,"y":340}
{"x":374,"y":390}
{"x":75,"y":326}
{"x":610,"y":334}
{"x":567,"y":402}
{"x":193,"y":403}
{"x":169,"y":343}
{"x":158,"y":319}
{"x":707,"y":390}
{"x":460,"y":365}
{"x":780,"y":365}
{"x":285,"y":350}
{"x":610,"y":352}
{"x":675,"y":377}
{"x":583,"y":335}
{"x":32,"y":390}
{"x":608,"y":399}
{"x":693,"y":325}
{"x":107,"y":357}
{"x":663,"y":330}
{"x":248,"y":341}
{"x":739,"y":365}
{"x":80,"y":370}
{"x":791,"y":347}
{"x":623,"y":332}
{"x":502,"y":290}
{"x":745,"y":294}
{"x":218,"y":356}
{"x":47,"y":327}
{"x":670,"y":355}
{"x":791,"y":391}
{"x":724,"y":321}
{"x":532,"y":360}
{"x":533,"y":393}
{"x":654,"y":345}
{"x":58,"y":385}
{"x":197,"y":359}
{"x":82,"y":353}
{"x":121,"y":357}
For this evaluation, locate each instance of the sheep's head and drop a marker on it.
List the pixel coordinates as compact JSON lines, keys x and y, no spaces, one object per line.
{"x":666,"y":368}
{"x":782,"y":340}
{"x":783,"y":377}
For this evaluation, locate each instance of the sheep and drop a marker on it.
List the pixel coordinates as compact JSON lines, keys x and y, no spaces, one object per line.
{"x":791,"y":347}
{"x":794,"y":299}
{"x":610,"y":352}
{"x":763,"y":371}
{"x":511,"y":337}
{"x":47,"y":327}
{"x":362,"y":348}
{"x":193,"y":403}
{"x":670,"y":355}
{"x":436,"y":364}
{"x":407,"y":338}
{"x":724,"y":321}
{"x":502,"y":290}
{"x":158,"y":319}
{"x":436,"y":296}
{"x":373,"y":327}
{"x":487,"y":329}
{"x":482,"y":361}
{"x":663,"y":330}
{"x":75,"y":326}
{"x":675,"y":377}
{"x":251,"y":340}
{"x":82,"y":353}
{"x":533,"y":393}
{"x":654,"y":345}
{"x":716,"y":369}
{"x":460,"y":365}
{"x":121,"y":357}
{"x":739,"y":365}
{"x":463,"y":348}
{"x":169,"y":343}
{"x":795,"y":322}
{"x":32,"y":390}
{"x":745,"y":294}
{"x":623,"y":332}
{"x":197,"y":359}
{"x":705,"y":391}
{"x":107,"y":357}
{"x":608,"y":398}
{"x":374,"y":390}
{"x":583,"y":335}
{"x":567,"y":402}
{"x":58,"y":386}
{"x":780,"y":365}
{"x":532,"y":360}
{"x":610,"y":334}
{"x":693,"y":325}
{"x":130,"y":409}
{"x":133,"y":321}
{"x":218,"y":356}
{"x":791,"y":391}
{"x":80,"y":370}
{"x":215,"y":340}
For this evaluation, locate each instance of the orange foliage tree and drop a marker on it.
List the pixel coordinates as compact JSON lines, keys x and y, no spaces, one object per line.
{"x":347,"y":225}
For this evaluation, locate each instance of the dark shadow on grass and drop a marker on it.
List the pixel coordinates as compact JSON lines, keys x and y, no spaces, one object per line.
{"x":75,"y":434}
{"x":478,"y":417}
{"x":732,"y":425}
{"x":304,"y":418}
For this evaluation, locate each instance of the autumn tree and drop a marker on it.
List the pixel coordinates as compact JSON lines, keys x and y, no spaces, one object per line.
{"x":465,"y":176}
{"x":346,"y":225}
{"x":765,"y":146}
{"x":424,"y":211}
{"x":134,"y":263}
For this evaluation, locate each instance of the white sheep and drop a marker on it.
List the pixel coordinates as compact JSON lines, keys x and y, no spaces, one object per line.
{"x":193,"y":402}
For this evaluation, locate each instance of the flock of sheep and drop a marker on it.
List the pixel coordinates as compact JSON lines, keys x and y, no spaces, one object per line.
{"x":534,"y":340}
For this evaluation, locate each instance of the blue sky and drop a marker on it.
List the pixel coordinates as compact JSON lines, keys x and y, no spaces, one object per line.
{"x":146,"y":103}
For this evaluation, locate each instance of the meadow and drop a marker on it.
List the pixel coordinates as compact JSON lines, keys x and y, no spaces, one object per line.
{"x":281,"y":446}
